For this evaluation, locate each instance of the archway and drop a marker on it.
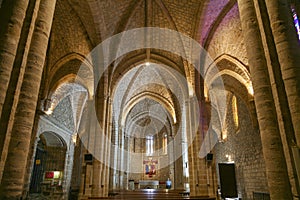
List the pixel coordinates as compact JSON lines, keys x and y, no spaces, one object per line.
{"x":49,"y":165}
{"x":149,"y":126}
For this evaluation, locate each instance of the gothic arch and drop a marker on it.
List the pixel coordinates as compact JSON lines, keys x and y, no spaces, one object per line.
{"x":162,"y":101}
{"x":66,"y":70}
{"x":230,"y":66}
{"x":236,"y":78}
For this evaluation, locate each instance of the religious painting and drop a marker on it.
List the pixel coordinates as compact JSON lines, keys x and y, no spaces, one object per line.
{"x":150,"y":167}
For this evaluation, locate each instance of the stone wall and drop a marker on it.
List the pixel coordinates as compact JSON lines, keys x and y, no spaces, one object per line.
{"x":68,"y":34}
{"x":243,"y":146}
{"x":228,"y":38}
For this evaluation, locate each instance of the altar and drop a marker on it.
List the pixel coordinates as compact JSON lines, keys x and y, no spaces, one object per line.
{"x":148,"y":184}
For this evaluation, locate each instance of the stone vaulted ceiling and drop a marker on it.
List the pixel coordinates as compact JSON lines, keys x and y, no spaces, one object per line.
{"x":112,"y":17}
{"x":79,"y":26}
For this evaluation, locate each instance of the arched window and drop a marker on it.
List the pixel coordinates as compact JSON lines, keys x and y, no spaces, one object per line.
{"x":165,"y":144}
{"x":235,"y":113}
{"x":149,"y":145}
{"x":296,"y":22}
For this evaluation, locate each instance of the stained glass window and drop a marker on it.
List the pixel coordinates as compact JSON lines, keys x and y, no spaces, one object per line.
{"x":296,"y":22}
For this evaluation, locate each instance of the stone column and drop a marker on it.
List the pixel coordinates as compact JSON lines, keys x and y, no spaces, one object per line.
{"x":102,"y":147}
{"x":107,"y":153}
{"x":114,"y":160}
{"x":192,"y":155}
{"x":88,"y":137}
{"x":171,"y":155}
{"x":129,"y":145}
{"x":198,"y":167}
{"x":68,"y":166}
{"x":15,"y":166}
{"x":121,"y":149}
{"x":13,"y":55}
{"x":31,"y":156}
{"x":276,"y":169}
{"x":11,"y":21}
{"x":279,"y":94}
{"x":96,"y":148}
{"x":288,"y":50}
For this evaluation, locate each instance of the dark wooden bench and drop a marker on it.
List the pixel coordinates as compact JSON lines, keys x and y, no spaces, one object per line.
{"x":184,"y":193}
{"x":111,"y":194}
